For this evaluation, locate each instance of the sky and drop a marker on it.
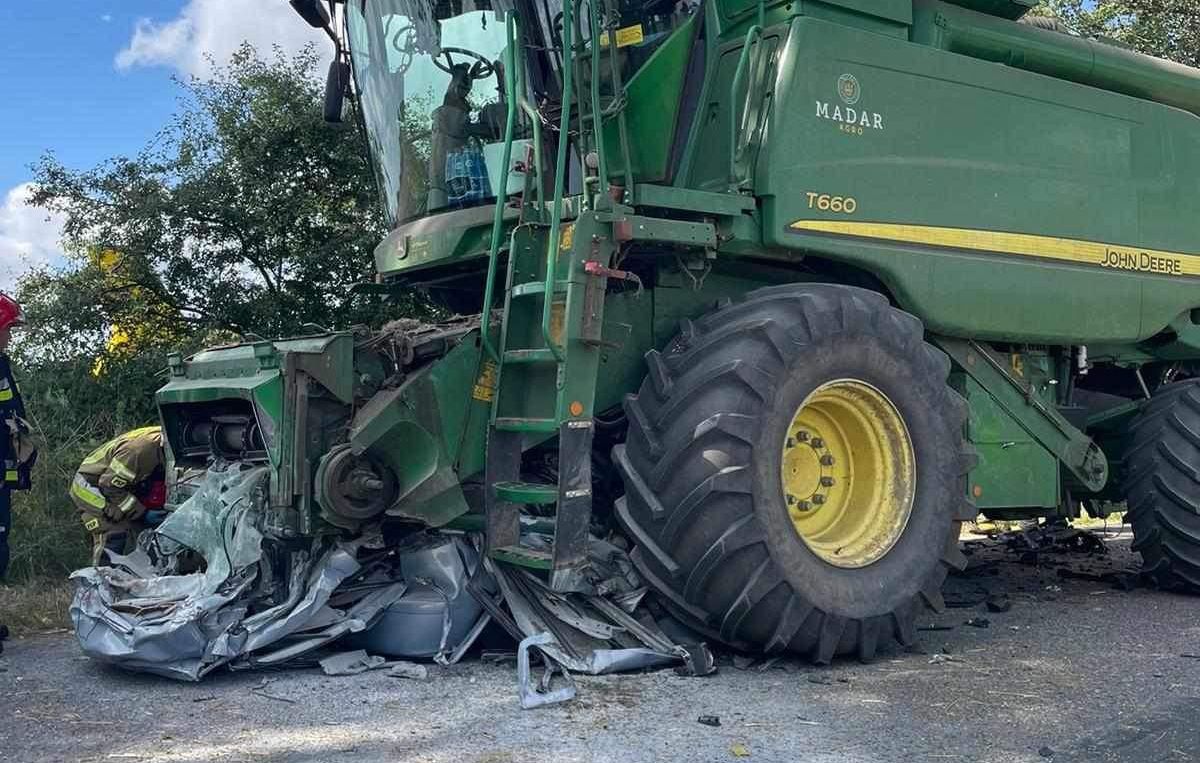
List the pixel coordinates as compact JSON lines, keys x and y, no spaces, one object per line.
{"x":92,"y":79}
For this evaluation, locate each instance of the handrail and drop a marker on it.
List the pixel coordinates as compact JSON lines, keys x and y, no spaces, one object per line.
{"x":597,"y":116}
{"x":753,"y":36}
{"x":536,"y":120}
{"x":511,"y":73}
{"x":560,"y":168}
{"x":622,"y":126}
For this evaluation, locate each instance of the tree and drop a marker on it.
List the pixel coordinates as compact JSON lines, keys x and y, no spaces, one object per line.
{"x":247,"y":213}
{"x":1165,"y":28}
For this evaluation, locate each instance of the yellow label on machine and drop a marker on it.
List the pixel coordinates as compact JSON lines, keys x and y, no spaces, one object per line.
{"x":485,"y":387}
{"x":630,"y":35}
{"x":558,"y":322}
{"x":566,"y":238}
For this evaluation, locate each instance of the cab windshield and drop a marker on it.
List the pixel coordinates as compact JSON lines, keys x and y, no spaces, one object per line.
{"x":431,"y":85}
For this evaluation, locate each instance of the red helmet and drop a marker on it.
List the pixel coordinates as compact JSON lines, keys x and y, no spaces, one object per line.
{"x":10,"y":312}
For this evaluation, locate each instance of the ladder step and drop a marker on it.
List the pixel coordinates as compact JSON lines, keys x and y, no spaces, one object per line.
{"x":536,"y":287}
{"x":526,"y":425}
{"x":523,"y":557}
{"x":542,"y":355}
{"x":530,"y":493}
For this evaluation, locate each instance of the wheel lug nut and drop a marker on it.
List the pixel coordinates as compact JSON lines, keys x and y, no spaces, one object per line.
{"x":827,"y":481}
{"x":791,"y":499}
{"x":817,"y":442}
{"x":818,"y":499}
{"x":804,"y":506}
{"x":802,"y":436}
{"x":791,"y":442}
{"x":826,"y":460}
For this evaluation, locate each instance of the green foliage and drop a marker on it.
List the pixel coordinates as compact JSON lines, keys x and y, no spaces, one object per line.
{"x":248,"y":213}
{"x":1165,"y":28}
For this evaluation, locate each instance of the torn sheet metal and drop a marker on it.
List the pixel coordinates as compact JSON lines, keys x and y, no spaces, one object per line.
{"x":143,"y":613}
{"x":592,"y":633}
{"x":540,"y":694}
{"x":208,"y":588}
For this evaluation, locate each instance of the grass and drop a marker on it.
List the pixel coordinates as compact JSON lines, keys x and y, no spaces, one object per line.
{"x":36,"y":606}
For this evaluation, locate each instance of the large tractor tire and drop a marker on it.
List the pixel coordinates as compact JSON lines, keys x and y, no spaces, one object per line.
{"x":1161,"y":484}
{"x":795,"y":472}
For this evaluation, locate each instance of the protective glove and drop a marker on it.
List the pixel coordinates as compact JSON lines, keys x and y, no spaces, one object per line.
{"x":133,"y":510}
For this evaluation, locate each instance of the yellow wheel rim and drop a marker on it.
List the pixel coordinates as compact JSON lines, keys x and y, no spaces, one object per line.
{"x":848,"y":473}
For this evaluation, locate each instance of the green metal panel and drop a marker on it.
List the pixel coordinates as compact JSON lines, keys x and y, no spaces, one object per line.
{"x":1027,"y":397}
{"x":403,"y":427}
{"x":462,"y":405}
{"x":207,"y":388}
{"x":899,"y":11}
{"x":686,"y":200}
{"x":1013,"y":470}
{"x":437,"y":239}
{"x":652,"y":108}
{"x":1086,"y":175}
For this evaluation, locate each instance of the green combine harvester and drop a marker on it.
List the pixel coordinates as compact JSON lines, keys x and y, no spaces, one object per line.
{"x":777,"y":293}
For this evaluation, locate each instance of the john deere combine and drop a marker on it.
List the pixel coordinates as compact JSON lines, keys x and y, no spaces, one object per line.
{"x":779,"y":292}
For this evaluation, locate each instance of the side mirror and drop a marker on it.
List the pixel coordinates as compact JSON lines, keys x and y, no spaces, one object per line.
{"x":336,"y":83}
{"x":313,"y":12}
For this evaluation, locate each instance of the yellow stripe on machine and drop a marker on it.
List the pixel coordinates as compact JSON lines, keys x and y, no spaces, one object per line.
{"x":5,"y":395}
{"x":1111,"y":256}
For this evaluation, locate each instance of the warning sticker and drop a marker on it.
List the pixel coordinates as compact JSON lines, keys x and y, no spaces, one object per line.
{"x":630,"y":35}
{"x":485,"y":386}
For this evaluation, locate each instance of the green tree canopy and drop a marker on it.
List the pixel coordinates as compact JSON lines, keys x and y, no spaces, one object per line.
{"x":247,"y":213}
{"x":1165,"y":28}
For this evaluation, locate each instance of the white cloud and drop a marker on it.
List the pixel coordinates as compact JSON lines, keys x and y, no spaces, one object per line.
{"x":106,"y":18}
{"x":29,"y":236}
{"x":217,"y":28}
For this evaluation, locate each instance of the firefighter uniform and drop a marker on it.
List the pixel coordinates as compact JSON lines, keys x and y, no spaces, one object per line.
{"x":14,"y":448}
{"x":107,"y":487}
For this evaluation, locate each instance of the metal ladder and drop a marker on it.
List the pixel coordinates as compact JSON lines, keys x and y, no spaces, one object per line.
{"x":547,"y":353}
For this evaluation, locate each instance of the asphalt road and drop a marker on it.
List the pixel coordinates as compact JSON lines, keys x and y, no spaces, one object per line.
{"x":1077,"y":670}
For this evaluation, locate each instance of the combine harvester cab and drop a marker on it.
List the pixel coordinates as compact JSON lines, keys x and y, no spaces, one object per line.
{"x":771,"y":296}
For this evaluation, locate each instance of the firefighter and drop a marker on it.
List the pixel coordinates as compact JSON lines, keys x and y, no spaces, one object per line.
{"x":15,"y":445}
{"x":116,"y":485}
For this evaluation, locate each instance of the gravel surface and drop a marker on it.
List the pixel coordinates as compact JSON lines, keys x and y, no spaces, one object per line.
{"x":1076,"y":670}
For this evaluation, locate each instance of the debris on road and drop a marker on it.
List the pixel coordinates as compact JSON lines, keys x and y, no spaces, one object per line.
{"x":999,"y":604}
{"x":259,"y":691}
{"x":709,"y":720}
{"x":351,"y":663}
{"x":942,"y":657}
{"x":413,"y":670}
{"x":740,"y":751}
{"x":978,"y":622}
